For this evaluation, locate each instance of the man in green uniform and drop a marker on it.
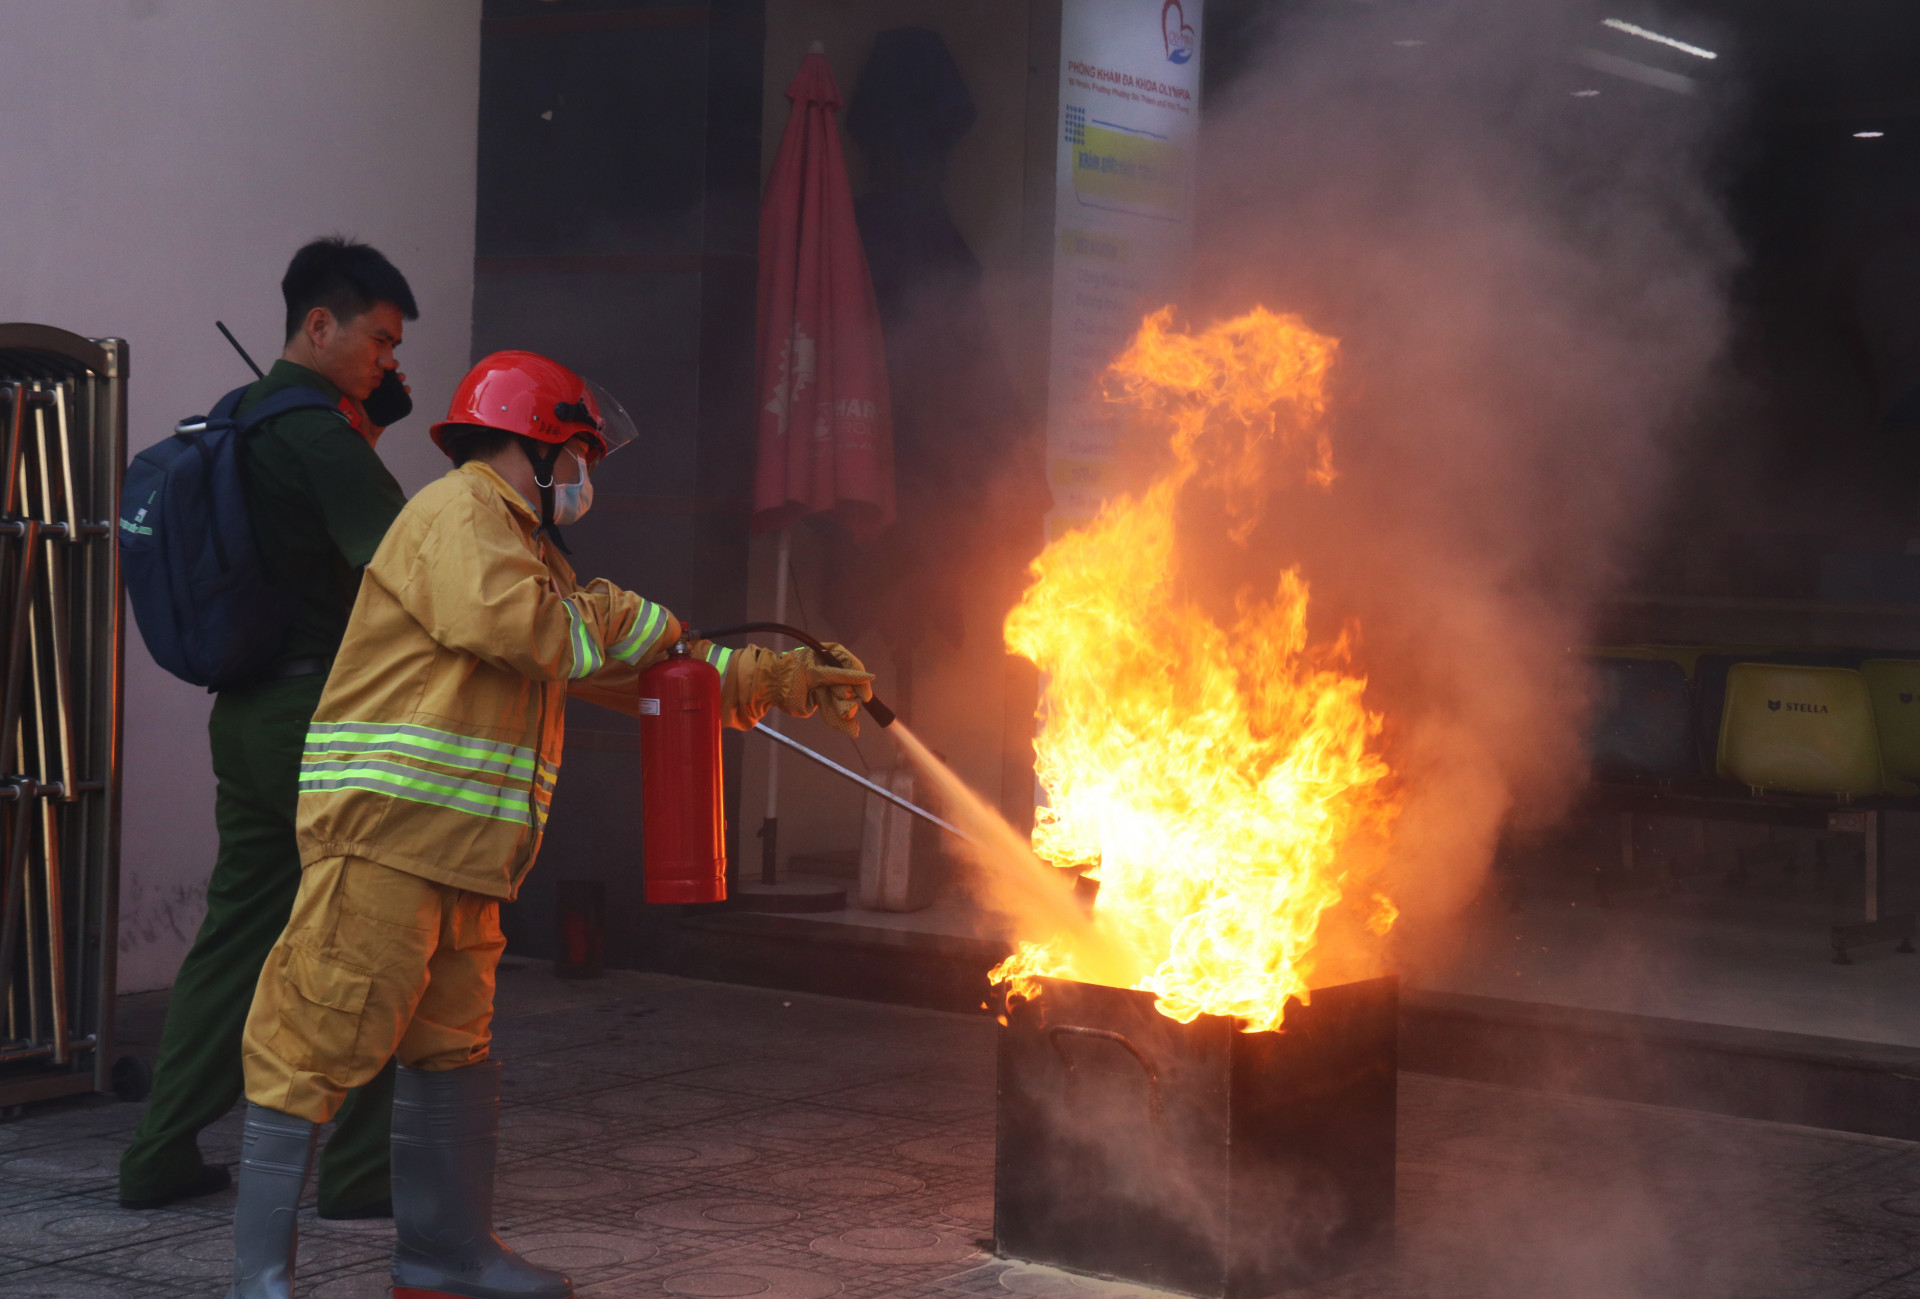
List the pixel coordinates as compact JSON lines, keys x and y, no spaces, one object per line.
{"x":320,"y":500}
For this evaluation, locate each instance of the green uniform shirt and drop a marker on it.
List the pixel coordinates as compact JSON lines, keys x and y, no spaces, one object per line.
{"x":321,"y":500}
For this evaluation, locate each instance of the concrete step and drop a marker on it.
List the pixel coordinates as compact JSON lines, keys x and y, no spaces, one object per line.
{"x":1745,"y":1072}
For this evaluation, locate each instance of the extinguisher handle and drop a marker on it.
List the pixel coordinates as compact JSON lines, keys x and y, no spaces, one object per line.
{"x":875,"y":709}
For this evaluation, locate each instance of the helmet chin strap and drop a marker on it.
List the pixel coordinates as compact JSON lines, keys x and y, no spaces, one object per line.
{"x":543,"y":462}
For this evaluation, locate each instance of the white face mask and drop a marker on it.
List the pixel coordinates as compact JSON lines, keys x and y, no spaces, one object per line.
{"x":571,"y":501}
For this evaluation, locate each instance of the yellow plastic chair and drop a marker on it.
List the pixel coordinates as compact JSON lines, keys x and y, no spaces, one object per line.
{"x":1803,"y":730}
{"x":1895,"y":687}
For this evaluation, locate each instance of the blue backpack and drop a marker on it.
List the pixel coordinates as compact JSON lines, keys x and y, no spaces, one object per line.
{"x":206,"y":607}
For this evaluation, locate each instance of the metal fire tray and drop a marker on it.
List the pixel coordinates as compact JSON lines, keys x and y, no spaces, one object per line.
{"x":1194,"y":1157}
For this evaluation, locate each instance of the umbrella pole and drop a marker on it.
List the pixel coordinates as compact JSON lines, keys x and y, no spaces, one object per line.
{"x":770,"y":827}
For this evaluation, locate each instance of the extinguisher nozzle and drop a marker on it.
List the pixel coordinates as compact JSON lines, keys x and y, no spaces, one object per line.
{"x":879,"y":711}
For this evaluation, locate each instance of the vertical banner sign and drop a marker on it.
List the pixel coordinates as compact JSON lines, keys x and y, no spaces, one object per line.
{"x":1123,"y":215}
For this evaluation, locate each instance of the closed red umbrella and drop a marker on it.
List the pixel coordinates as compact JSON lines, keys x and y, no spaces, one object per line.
{"x":826,"y":429}
{"x":820,"y":365}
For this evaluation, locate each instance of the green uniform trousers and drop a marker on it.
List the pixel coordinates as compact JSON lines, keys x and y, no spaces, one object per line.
{"x":257,"y":733}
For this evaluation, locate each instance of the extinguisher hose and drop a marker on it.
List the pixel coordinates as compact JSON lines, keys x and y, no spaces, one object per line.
{"x":877,"y":710}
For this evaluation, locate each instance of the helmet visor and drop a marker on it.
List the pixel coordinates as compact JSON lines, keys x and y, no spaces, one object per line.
{"x":616,"y":426}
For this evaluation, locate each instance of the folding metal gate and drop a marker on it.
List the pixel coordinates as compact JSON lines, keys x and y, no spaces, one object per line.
{"x":63,"y":404}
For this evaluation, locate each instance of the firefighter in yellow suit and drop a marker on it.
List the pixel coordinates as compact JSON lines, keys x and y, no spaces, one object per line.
{"x":423,"y":793}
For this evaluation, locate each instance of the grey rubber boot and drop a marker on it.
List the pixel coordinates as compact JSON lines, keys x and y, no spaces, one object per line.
{"x":446,"y":1127}
{"x":275,"y":1150}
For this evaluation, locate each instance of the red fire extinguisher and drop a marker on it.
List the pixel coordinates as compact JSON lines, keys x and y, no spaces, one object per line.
{"x":680,"y":781}
{"x":682,"y":791}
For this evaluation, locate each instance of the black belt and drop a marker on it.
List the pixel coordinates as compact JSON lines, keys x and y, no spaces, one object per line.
{"x":319,"y":665}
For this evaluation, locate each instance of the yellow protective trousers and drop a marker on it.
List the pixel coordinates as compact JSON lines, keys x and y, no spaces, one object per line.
{"x":374,"y":963}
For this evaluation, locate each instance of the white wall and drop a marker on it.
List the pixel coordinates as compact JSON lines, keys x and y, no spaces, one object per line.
{"x":162,"y":161}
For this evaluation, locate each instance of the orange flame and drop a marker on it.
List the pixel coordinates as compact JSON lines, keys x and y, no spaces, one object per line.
{"x":1209,"y":776}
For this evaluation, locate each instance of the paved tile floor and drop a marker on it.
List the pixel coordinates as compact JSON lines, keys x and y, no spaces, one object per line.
{"x":663,"y":1136}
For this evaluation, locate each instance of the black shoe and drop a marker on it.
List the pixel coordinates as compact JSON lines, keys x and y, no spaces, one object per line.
{"x":377,"y":1209}
{"x":213,"y":1179}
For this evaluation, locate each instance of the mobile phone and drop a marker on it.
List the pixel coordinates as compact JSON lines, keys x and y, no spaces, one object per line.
{"x":390,"y":402}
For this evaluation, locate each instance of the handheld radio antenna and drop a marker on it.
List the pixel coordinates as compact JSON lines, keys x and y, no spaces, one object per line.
{"x":258,"y":372}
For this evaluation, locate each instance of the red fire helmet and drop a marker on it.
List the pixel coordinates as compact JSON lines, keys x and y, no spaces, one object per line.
{"x":536,"y":397}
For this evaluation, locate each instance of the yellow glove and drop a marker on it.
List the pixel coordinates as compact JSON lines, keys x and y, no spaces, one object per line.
{"x":802,"y":681}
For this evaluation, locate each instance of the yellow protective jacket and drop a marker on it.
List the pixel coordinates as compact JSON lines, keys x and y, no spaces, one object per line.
{"x":437,"y":741}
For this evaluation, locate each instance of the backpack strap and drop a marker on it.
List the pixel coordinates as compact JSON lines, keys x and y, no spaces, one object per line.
{"x":280,"y":403}
{"x":224,"y":409}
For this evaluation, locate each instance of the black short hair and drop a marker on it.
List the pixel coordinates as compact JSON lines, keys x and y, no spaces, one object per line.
{"x":344,"y":276}
{"x":474,"y":442}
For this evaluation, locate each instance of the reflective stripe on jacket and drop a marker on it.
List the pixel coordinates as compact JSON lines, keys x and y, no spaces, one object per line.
{"x":436,"y":744}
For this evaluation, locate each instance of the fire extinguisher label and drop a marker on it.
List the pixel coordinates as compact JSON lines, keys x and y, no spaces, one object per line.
{"x":649,"y":707}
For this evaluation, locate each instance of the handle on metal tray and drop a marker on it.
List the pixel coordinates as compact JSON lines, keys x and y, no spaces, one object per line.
{"x":1155,"y":1106}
